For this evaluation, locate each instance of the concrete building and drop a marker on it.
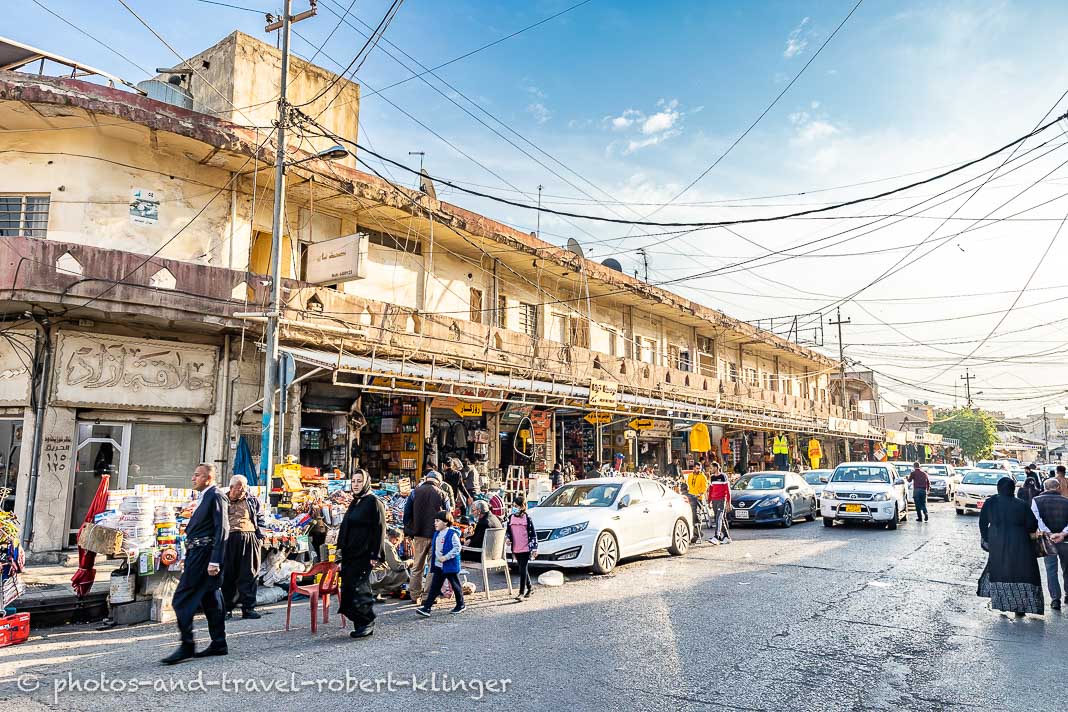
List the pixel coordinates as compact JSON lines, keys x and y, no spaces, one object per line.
{"x":136,"y":235}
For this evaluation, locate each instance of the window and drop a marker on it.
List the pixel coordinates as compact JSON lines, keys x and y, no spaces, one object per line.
{"x":404,"y":244}
{"x":648,"y":351}
{"x":704,"y":344}
{"x":733,"y":372}
{"x":752,"y":377}
{"x":476,"y":305}
{"x":684,"y":361}
{"x":613,"y":342}
{"x":674,"y":356}
{"x":580,"y":332}
{"x":560,"y":329}
{"x":705,"y":365}
{"x":23,"y":215}
{"x":528,"y":318}
{"x":502,"y":312}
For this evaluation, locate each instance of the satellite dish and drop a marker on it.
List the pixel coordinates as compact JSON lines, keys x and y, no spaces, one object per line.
{"x":612,"y":263}
{"x":574,"y":246}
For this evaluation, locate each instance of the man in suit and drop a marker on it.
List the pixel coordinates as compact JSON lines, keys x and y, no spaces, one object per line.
{"x":205,"y":540}
{"x":246,"y":522}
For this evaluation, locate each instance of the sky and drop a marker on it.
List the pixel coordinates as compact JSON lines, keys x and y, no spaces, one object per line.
{"x":615,"y":107}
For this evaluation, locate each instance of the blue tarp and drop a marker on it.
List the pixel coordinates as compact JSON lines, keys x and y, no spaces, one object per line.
{"x":243,"y":463}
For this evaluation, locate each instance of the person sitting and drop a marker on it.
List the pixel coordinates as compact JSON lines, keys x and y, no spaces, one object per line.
{"x":391,"y":576}
{"x":485,"y":519}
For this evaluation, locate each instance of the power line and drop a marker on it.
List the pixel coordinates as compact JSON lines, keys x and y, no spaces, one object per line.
{"x":91,"y":36}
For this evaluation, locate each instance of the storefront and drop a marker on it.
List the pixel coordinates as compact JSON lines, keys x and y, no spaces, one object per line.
{"x":17,"y":351}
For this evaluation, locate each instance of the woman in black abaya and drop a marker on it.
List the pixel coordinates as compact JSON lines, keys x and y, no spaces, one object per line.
{"x":360,"y":541}
{"x":1010,"y":580}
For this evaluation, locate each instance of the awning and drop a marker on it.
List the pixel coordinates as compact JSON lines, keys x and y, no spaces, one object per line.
{"x":390,"y":375}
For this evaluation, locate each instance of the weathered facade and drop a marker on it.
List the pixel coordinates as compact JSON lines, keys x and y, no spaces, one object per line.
{"x":136,"y":245}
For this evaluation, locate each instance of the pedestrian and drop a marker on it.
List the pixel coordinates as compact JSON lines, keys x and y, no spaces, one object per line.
{"x":697,"y":490}
{"x":244,"y":515}
{"x":719,"y":497}
{"x":1062,"y":479}
{"x":1051,"y":512}
{"x":1010,"y":580}
{"x":393,"y":573}
{"x":445,"y":564}
{"x":519,"y":531}
{"x":1030,"y":489}
{"x":198,"y":587}
{"x":921,"y":485}
{"x":454,"y":478}
{"x":427,"y":501}
{"x":472,"y":478}
{"x":486,"y":520}
{"x":557,"y":476}
{"x":360,"y":542}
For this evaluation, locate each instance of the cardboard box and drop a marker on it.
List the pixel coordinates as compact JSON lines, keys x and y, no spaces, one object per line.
{"x":101,"y":540}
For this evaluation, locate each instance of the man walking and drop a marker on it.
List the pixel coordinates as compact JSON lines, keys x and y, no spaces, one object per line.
{"x":1051,"y":510}
{"x":427,"y":501}
{"x":921,"y":484}
{"x":245,"y":518}
{"x":205,"y":541}
{"x":719,"y":496}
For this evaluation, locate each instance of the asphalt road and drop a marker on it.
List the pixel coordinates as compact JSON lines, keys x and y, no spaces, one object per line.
{"x":807,"y":618}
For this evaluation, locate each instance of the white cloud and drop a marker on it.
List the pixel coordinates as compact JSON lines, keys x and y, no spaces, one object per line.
{"x":662,"y":120}
{"x":811,"y":128}
{"x":797,"y":41}
{"x":650,"y":129}
{"x":536,"y":92}
{"x":624,"y":120}
{"x":540,"y":112}
{"x":657,"y":138}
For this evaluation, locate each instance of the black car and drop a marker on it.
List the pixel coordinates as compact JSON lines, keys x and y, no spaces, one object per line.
{"x":772,"y":498}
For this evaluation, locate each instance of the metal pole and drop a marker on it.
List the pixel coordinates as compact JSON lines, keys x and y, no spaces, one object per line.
{"x":841,"y":371}
{"x":1045,"y":435}
{"x":270,"y":361}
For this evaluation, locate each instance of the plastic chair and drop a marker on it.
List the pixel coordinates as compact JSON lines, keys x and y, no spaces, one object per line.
{"x":326,"y":587}
{"x":492,"y":552}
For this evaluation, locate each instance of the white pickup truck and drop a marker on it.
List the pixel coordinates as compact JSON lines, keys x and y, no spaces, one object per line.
{"x":865,"y":492}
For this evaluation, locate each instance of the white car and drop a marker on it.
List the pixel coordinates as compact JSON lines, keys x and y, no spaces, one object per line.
{"x":976,"y":487}
{"x":904,"y":469}
{"x":866,"y":492}
{"x":594,"y":523}
{"x":817,"y":480}
{"x":1003,"y":465}
{"x":944,"y":480}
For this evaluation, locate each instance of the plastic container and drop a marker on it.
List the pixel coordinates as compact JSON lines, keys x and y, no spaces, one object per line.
{"x":14,"y":629}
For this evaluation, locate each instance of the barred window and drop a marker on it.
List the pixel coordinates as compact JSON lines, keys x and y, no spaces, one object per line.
{"x":528,"y":319}
{"x":502,"y":312}
{"x":24,"y":215}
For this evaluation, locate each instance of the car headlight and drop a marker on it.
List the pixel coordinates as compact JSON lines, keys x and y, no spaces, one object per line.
{"x":768,"y":501}
{"x":569,"y":530}
{"x":827,"y":494}
{"x":881,"y":497}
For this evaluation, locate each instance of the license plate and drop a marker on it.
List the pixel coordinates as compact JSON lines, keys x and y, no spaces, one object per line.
{"x":741,"y":514}
{"x":853,"y":508}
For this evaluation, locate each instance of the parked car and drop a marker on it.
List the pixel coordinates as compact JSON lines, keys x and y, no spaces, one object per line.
{"x":867,"y":492}
{"x":904,"y":469}
{"x":596,"y":522}
{"x":816,"y":479}
{"x":771,"y":497}
{"x":975,"y":488}
{"x":944,"y":480}
{"x":994,"y":465}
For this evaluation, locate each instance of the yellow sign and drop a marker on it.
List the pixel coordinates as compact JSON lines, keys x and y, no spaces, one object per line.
{"x":640,"y":424}
{"x":468,"y":410}
{"x":598,"y":418}
{"x":290,"y":476}
{"x":603,"y":393}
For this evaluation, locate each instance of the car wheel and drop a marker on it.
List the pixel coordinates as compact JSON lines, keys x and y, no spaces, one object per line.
{"x":811,"y":516}
{"x":892,"y":524}
{"x":787,"y":515}
{"x":828,"y":521}
{"x":605,"y":553}
{"x":960,"y":512}
{"x":680,"y":539}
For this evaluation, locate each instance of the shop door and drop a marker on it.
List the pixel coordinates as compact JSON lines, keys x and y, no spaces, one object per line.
{"x":102,"y":450}
{"x":10,"y":448}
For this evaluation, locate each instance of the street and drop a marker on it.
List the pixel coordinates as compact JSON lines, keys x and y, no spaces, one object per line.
{"x":850,"y":618}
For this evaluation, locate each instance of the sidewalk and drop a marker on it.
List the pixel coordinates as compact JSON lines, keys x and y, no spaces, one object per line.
{"x":50,"y":600}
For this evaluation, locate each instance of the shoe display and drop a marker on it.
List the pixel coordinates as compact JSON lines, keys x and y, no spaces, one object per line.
{"x":184,"y":652}
{"x":211,"y":651}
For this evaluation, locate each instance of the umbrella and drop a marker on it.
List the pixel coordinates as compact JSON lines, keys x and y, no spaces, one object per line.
{"x":82,"y":580}
{"x":243,"y":463}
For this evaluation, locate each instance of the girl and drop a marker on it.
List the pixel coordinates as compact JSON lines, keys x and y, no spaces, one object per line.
{"x":444,"y":564}
{"x":360,"y":541}
{"x":524,"y":543}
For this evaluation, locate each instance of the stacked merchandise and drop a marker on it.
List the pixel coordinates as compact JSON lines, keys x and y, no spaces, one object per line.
{"x":136,"y":521}
{"x":166,"y":522}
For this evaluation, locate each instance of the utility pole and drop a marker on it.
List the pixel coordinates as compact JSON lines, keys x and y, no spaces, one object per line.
{"x":645,"y":263}
{"x":967,"y":378}
{"x":1045,"y":435}
{"x":838,"y":321}
{"x":539,"y":211}
{"x":270,"y":337}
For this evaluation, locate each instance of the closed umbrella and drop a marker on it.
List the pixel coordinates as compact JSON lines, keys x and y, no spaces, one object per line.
{"x":82,"y":580}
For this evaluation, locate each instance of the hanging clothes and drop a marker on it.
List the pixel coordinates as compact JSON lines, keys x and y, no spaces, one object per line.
{"x":725,"y":447}
{"x":743,"y":456}
{"x":700,"y":441}
{"x":815,"y":453}
{"x":781,"y":449}
{"x":457,"y":435}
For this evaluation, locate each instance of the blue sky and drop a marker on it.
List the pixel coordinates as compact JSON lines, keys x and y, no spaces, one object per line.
{"x":639,"y":98}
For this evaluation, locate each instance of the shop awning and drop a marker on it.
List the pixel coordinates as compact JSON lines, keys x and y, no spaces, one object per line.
{"x":396,"y":376}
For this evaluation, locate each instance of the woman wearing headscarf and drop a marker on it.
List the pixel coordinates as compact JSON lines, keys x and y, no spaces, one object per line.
{"x":360,"y":541}
{"x":1010,"y":580}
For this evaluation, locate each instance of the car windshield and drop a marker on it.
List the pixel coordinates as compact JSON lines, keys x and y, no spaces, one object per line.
{"x":761,"y":482}
{"x":940,"y":470}
{"x":903,"y":469}
{"x":583,"y":495}
{"x":813,"y":476}
{"x":982,"y":478}
{"x":989,"y":465}
{"x":861,"y":473}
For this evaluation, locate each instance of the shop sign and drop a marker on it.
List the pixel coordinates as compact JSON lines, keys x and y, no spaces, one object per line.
{"x":598,"y":418}
{"x":630,"y":434}
{"x":94,"y":369}
{"x":896,"y":437}
{"x":15,"y":367}
{"x":468,"y":410}
{"x":339,"y":260}
{"x":604,"y":393}
{"x":651,"y":428}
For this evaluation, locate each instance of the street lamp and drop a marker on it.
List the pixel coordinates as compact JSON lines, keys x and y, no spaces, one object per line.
{"x":336,"y":152}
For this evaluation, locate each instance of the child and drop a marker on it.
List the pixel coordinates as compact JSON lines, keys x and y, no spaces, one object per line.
{"x":519,"y":530}
{"x":444,"y":564}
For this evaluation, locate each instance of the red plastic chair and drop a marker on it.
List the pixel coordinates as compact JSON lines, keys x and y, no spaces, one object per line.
{"x":326,"y":587}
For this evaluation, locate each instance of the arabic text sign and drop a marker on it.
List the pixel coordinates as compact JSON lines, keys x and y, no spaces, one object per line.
{"x":598,"y":418}
{"x":604,"y":393}
{"x":468,"y":410}
{"x":338,"y":260}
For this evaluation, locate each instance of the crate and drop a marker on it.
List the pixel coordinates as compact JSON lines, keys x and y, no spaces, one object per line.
{"x":101,"y":540}
{"x":14,"y":629}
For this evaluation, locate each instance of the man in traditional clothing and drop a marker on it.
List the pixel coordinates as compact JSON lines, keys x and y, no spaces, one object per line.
{"x":244,"y":514}
{"x":205,"y":542}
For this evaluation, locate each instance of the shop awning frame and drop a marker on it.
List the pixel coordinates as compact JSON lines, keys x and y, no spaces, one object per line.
{"x":435,"y":380}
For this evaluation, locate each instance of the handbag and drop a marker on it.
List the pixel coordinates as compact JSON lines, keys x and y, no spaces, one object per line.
{"x":1043,"y":545}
